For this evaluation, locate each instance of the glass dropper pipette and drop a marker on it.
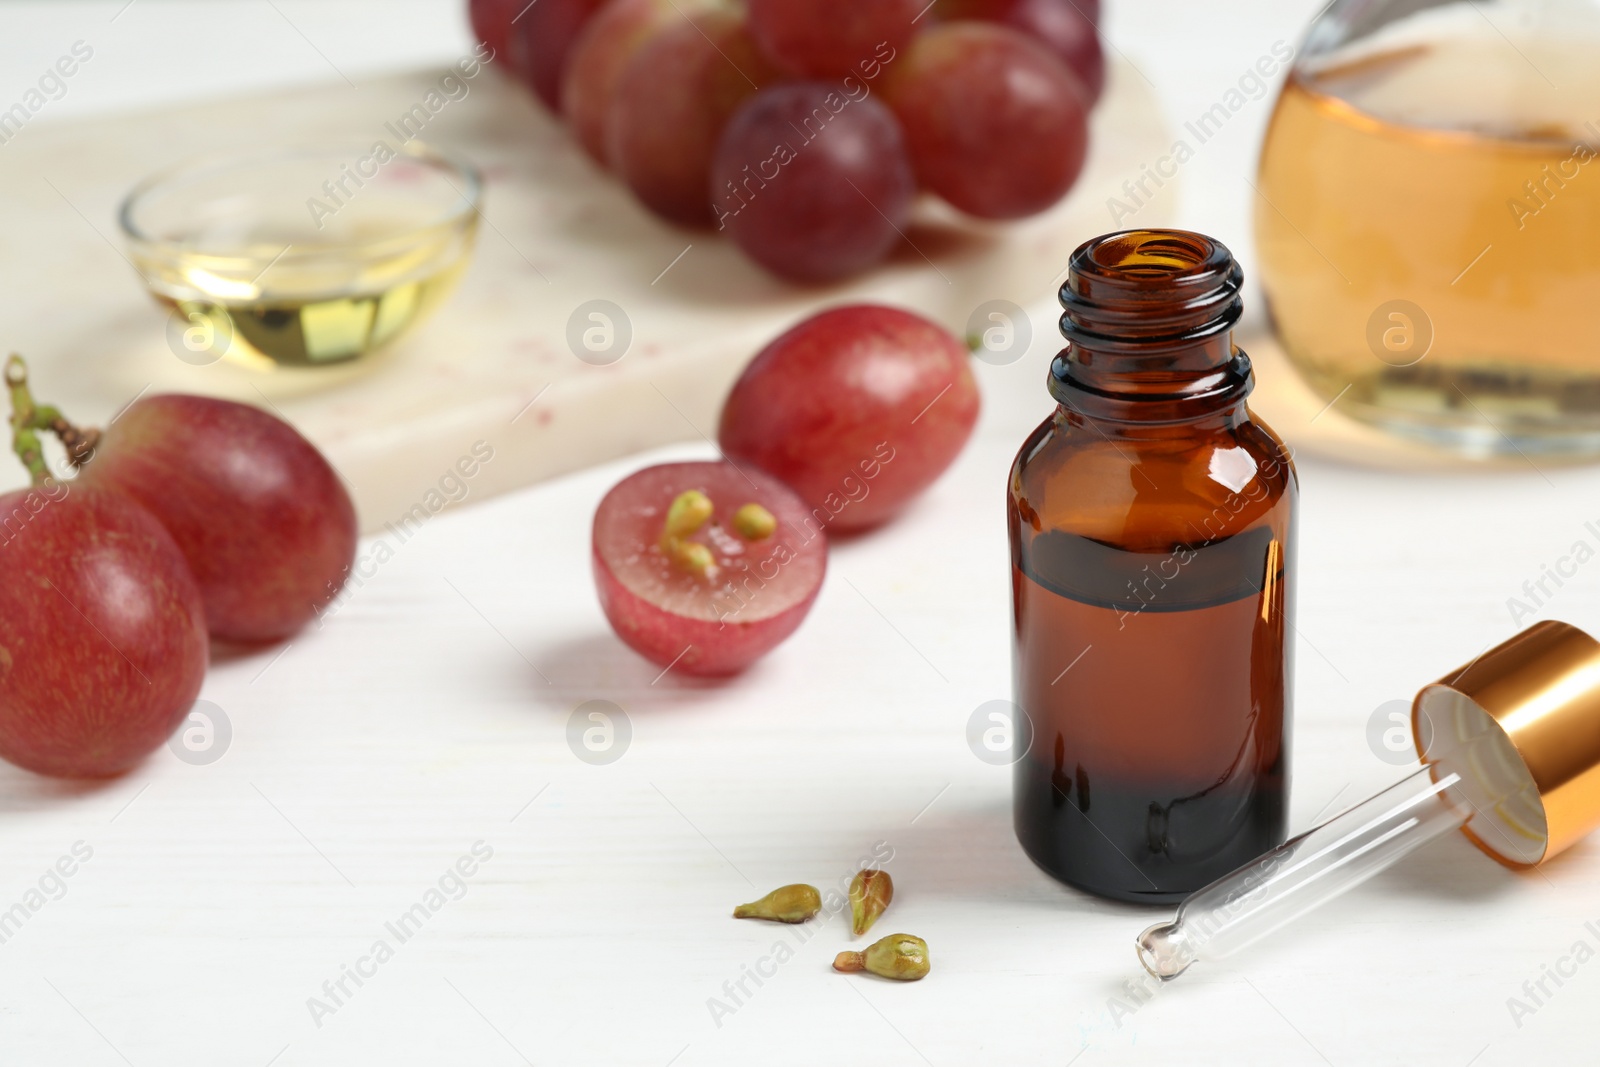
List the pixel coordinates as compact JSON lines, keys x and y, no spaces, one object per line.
{"x":1511,"y":754}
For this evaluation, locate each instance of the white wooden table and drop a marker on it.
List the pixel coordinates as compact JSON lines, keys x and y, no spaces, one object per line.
{"x":433,"y":712}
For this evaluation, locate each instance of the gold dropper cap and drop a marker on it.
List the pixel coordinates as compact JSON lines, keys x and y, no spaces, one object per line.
{"x":1522,"y":722}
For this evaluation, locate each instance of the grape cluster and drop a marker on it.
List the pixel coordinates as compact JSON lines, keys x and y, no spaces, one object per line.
{"x":191,"y":518}
{"x":805,"y":128}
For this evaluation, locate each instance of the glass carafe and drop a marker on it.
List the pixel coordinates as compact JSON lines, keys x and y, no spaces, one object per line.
{"x":1428,"y":221}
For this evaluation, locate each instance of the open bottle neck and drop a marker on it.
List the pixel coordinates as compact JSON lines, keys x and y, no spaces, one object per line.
{"x":1148,"y":318}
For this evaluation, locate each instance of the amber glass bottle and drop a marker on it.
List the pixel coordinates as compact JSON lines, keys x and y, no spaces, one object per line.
{"x":1152,"y":547}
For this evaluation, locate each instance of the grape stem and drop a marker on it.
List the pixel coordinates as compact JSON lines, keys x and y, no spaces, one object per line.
{"x":28,"y":418}
{"x":24,"y":438}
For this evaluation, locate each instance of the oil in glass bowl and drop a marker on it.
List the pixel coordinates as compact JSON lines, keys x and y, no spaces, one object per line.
{"x":302,"y":257}
{"x":1429,"y":210}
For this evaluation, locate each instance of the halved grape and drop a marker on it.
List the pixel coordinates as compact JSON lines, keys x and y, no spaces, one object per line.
{"x":833,"y":38}
{"x":997,"y":125}
{"x":543,"y":34}
{"x":102,"y":632}
{"x":812,"y":184}
{"x":858,"y":409}
{"x":672,"y":102}
{"x":600,"y":55}
{"x":716,"y":598}
{"x":1065,"y":27}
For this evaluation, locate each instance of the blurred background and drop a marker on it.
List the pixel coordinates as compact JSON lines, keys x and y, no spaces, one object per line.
{"x":178,"y":51}
{"x":553,"y":238}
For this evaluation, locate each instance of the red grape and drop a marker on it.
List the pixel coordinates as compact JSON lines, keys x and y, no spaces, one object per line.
{"x":672,"y":101}
{"x":751,"y":593}
{"x":491,"y":24}
{"x":102,"y":631}
{"x":812,"y":184}
{"x":543,"y":34}
{"x":857,"y":409}
{"x":264,"y":522}
{"x":997,"y":126}
{"x":832,"y":38}
{"x":1065,"y":27}
{"x":1089,"y":8}
{"x":996,"y":10}
{"x":600,"y":55}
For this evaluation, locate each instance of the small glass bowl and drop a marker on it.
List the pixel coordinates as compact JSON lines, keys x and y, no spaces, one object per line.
{"x":301,"y":256}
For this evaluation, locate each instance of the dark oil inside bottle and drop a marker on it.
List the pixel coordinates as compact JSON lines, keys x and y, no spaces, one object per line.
{"x":1150,"y":775}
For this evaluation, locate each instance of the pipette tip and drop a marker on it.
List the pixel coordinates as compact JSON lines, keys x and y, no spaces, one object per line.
{"x":1164,"y":951}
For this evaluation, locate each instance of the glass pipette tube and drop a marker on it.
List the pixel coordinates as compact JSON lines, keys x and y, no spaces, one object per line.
{"x":1510,"y":746}
{"x":1306,"y":872}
